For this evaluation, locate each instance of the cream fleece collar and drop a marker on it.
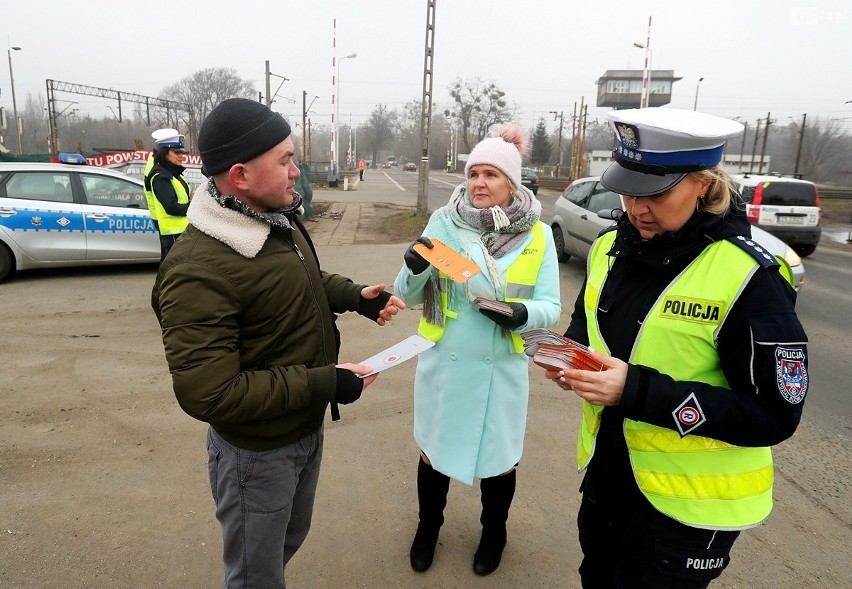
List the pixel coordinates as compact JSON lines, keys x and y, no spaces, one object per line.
{"x":245,"y":235}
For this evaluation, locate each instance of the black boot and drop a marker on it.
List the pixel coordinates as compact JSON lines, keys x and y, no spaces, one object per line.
{"x":497,"y":494}
{"x":432,"y":488}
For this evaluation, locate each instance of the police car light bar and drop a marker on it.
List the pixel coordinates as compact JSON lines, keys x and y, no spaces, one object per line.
{"x":71,"y":158}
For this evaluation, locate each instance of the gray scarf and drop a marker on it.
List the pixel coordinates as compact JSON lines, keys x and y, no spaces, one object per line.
{"x":502,"y":228}
{"x":496,"y":230}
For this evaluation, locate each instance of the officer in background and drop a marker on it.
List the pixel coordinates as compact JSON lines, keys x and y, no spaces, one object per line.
{"x":707,"y":362}
{"x":166,"y":190}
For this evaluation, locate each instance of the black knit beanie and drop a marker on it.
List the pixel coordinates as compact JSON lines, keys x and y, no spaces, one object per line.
{"x":236,"y":131}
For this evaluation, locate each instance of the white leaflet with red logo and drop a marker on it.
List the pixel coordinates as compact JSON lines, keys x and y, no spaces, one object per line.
{"x":397,"y":354}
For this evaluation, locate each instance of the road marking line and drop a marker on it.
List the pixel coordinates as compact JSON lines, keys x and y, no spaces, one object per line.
{"x":394,"y":181}
{"x":453,"y":184}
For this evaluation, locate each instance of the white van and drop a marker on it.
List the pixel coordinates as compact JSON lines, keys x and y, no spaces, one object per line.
{"x":788,"y":208}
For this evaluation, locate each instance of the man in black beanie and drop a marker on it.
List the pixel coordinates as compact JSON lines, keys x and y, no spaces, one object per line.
{"x":247,"y":317}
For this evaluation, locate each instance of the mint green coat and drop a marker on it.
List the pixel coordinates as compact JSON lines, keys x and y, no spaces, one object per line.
{"x":470,"y":390}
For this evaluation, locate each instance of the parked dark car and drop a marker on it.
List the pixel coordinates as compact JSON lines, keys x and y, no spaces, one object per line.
{"x":529,"y":178}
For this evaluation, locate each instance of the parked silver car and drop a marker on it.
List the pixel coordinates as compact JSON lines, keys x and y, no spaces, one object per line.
{"x":55,"y":215}
{"x":585,"y":207}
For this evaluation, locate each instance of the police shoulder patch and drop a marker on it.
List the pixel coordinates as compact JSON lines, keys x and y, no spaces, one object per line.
{"x":791,"y":374}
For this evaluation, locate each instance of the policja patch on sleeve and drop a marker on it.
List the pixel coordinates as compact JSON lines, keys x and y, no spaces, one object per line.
{"x":791,"y":374}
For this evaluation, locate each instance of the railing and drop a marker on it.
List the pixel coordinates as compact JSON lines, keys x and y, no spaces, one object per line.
{"x":835,"y":192}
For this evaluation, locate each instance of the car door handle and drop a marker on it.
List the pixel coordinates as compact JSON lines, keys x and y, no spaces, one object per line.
{"x":584,"y":217}
{"x":8,"y":212}
{"x":97,"y":216}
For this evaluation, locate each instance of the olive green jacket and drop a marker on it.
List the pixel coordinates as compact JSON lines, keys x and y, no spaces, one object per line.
{"x":247,"y":318}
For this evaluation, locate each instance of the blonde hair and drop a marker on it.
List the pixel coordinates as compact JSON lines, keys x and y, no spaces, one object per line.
{"x":722,"y":190}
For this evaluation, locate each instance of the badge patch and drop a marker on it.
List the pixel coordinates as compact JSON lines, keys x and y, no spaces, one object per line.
{"x":688,"y":415}
{"x":628,"y":134}
{"x":791,"y":374}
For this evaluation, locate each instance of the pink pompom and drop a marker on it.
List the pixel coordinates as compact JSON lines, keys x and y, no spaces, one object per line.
{"x":514,"y":134}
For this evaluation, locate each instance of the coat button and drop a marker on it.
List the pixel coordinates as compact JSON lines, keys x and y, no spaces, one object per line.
{"x":488,"y":360}
{"x":453,"y":356}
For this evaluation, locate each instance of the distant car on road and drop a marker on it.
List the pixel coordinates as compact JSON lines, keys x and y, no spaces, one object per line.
{"x":409,"y":167}
{"x":386,"y":165}
{"x":576,"y":223}
{"x":54,"y":215}
{"x":529,"y":178}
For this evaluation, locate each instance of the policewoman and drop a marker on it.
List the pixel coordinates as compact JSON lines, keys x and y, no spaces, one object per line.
{"x":471,"y":389}
{"x":707,"y":361}
{"x":166,"y":190}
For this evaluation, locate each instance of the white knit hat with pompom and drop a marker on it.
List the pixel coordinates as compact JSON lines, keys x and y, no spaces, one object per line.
{"x":503,"y":152}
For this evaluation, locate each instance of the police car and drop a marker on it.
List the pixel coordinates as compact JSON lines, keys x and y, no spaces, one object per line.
{"x":72,"y":214}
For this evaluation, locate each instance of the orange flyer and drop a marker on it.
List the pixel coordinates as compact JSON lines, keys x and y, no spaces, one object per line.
{"x":448,"y":261}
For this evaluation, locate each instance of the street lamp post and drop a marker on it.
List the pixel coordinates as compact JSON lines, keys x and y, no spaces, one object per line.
{"x":335,"y":157}
{"x":14,"y":100}
{"x":646,"y":78}
{"x":695,"y":104}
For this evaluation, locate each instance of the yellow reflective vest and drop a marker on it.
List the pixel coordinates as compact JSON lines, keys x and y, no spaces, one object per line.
{"x":698,"y":481}
{"x":168,"y":224}
{"x":520,"y":284}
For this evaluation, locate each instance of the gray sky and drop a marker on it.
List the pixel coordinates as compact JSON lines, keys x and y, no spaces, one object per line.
{"x":786,"y":57}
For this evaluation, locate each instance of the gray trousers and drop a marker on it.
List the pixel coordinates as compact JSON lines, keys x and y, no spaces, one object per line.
{"x":264,"y":502}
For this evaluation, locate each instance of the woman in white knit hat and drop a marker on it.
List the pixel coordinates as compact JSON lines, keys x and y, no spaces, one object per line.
{"x":471,"y":389}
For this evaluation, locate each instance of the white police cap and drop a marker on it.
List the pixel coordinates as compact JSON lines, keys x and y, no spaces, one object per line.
{"x":170,"y":138}
{"x":657,"y":147}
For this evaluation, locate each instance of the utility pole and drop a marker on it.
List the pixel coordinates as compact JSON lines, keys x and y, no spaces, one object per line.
{"x":581,"y":160}
{"x":801,"y":140}
{"x":577,"y":141}
{"x":268,"y":93}
{"x":426,"y":112}
{"x":763,"y":148}
{"x":573,"y":139}
{"x":754,"y":147}
{"x":559,"y":143}
{"x":742,"y":147}
{"x":304,"y":125}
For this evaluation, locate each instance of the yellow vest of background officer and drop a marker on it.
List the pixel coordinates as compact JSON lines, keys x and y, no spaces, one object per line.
{"x":168,"y":224}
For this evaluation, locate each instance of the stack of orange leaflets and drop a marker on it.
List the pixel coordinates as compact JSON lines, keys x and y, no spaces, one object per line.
{"x":448,"y":261}
{"x":555,"y":352}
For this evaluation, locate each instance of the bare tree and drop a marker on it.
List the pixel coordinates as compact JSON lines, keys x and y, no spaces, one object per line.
{"x":34,"y":125}
{"x":379,"y":130}
{"x":826,"y":150}
{"x":478,"y":106}
{"x":407,"y":144}
{"x":202,"y":91}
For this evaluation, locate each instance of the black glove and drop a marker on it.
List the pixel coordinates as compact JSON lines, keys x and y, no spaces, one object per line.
{"x":518,"y":318}
{"x":349,"y":387}
{"x":415,"y":261}
{"x":370,"y":308}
